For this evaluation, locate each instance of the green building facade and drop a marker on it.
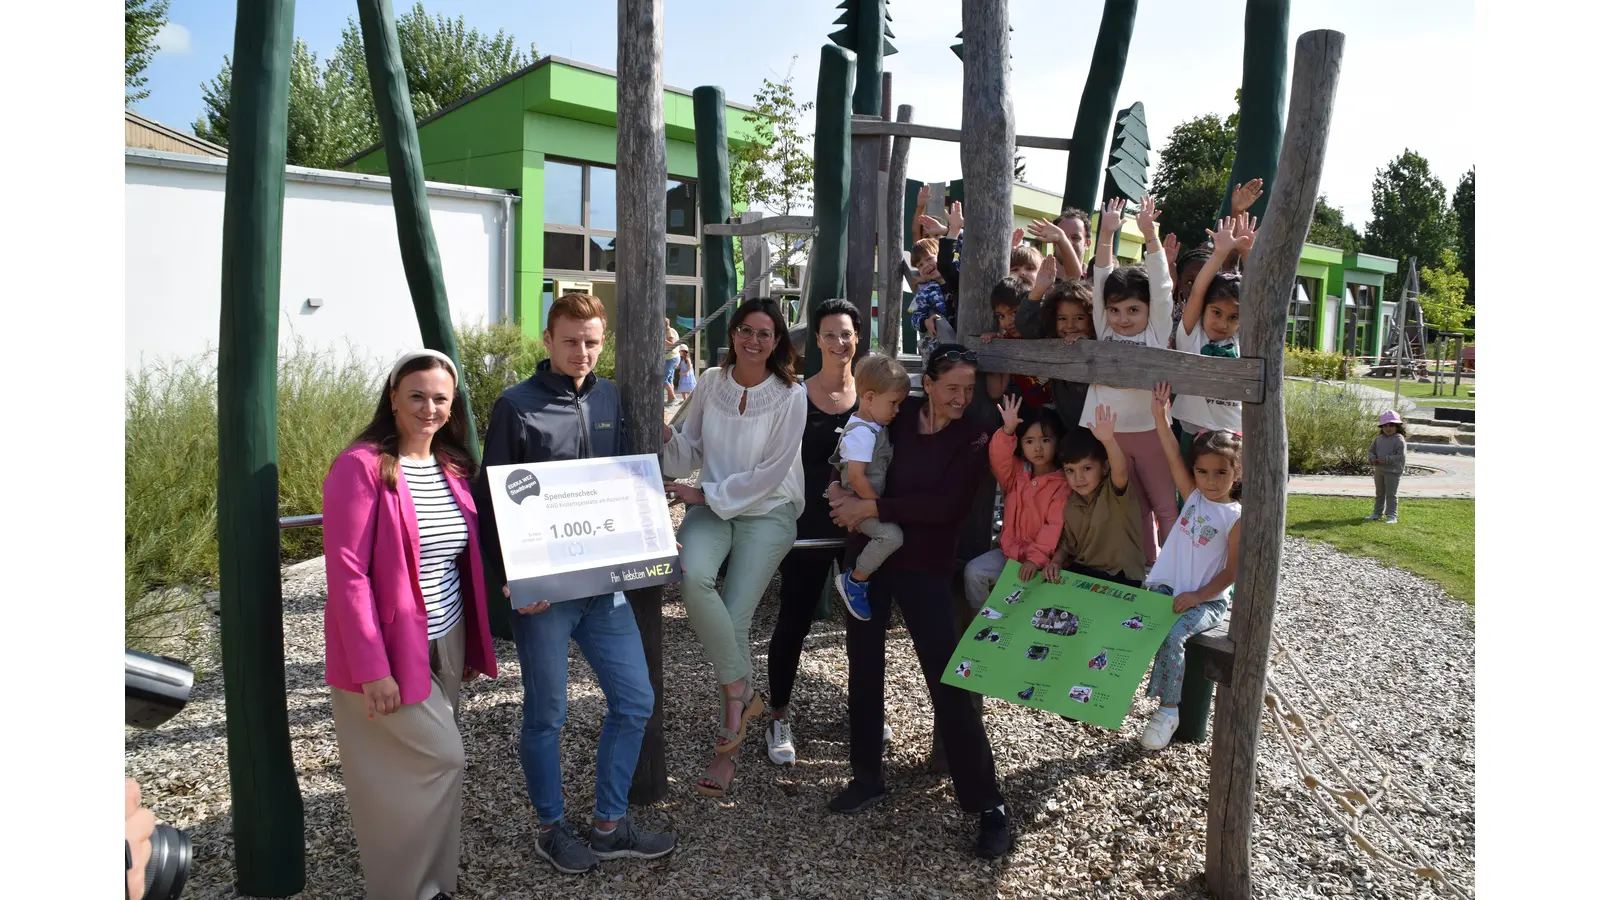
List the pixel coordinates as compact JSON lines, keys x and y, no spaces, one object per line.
{"x":549,"y":133}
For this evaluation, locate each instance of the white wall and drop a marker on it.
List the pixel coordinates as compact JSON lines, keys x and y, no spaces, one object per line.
{"x":339,"y":245}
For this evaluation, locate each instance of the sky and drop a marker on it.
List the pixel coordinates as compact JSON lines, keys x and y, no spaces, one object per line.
{"x":1404,"y":82}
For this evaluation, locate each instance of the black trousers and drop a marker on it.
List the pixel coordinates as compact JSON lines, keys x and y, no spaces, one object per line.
{"x":928,"y":606}
{"x":805,"y":574}
{"x":1103,"y":576}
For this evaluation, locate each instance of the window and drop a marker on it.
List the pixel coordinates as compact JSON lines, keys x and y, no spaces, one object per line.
{"x":1365,"y":296}
{"x":580,"y":217}
{"x":1298,"y":334}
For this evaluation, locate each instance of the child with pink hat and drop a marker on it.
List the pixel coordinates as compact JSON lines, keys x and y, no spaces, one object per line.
{"x":1388,"y":458}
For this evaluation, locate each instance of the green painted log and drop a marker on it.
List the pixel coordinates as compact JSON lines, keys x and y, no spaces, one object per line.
{"x":268,"y":817}
{"x":716,"y":207}
{"x":1262,"y":93}
{"x":1098,"y":104}
{"x":830,"y":188}
{"x":419,"y":252}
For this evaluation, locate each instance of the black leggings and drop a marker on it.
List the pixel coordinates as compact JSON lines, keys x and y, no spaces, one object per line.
{"x":1103,"y":576}
{"x":928,"y":606}
{"x":805,"y":574}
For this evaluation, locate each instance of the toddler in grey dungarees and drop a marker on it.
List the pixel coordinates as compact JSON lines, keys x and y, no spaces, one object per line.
{"x":862,"y":459}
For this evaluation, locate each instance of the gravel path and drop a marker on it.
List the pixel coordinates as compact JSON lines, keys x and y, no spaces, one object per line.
{"x":1097,"y":815}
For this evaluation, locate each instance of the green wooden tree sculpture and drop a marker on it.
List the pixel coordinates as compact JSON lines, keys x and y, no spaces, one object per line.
{"x":866,"y":34}
{"x":831,"y":189}
{"x":716,"y":207}
{"x":1128,"y":168}
{"x":1261,"y":100}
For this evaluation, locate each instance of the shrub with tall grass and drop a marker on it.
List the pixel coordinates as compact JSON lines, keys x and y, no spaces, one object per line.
{"x":170,"y":451}
{"x":1312,"y":364}
{"x":495,"y":357}
{"x":1330,"y":427}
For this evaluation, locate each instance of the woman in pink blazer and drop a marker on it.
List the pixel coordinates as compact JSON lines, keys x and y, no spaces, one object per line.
{"x":406,"y":624}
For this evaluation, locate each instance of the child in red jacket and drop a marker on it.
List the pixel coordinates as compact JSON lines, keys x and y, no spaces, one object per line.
{"x":1035,"y":492}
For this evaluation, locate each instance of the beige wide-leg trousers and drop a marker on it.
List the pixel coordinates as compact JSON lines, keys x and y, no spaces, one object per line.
{"x":403,"y":774}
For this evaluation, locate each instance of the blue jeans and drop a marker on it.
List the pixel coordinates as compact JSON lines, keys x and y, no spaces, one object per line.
{"x":607,"y":634}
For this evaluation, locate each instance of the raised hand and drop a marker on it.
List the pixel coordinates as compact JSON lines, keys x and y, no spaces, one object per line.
{"x":1147,"y":217}
{"x":1041,"y":230}
{"x":955,"y":219}
{"x":1105,"y":424}
{"x":1010,"y":413}
{"x":1224,"y":236}
{"x":1244,"y":232}
{"x":1170,"y":245}
{"x":1245,"y":195}
{"x":1160,"y":398}
{"x":924,"y":193}
{"x":1111,"y":215}
{"x":930,"y":226}
{"x":1016,"y":239}
{"x":1047,"y":272}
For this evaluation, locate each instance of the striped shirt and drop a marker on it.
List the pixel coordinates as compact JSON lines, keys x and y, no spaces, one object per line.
{"x":443,"y":534}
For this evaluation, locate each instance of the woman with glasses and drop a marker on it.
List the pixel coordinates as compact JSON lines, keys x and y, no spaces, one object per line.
{"x":830,"y":399}
{"x":940,"y":457}
{"x":743,"y":433}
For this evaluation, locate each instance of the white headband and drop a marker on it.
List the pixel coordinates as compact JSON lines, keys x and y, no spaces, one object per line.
{"x":394,"y":373}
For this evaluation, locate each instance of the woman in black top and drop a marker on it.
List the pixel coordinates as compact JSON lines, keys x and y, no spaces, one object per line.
{"x":830,"y":399}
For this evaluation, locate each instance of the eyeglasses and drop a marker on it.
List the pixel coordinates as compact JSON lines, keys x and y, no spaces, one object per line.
{"x":837,"y":337}
{"x":745,"y":332}
{"x":955,"y":355}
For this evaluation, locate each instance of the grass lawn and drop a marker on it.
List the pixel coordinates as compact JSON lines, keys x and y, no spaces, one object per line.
{"x":1422,"y":392}
{"x":1434,"y":538}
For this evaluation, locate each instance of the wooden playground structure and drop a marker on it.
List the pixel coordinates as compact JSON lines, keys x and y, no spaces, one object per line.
{"x":861,"y":157}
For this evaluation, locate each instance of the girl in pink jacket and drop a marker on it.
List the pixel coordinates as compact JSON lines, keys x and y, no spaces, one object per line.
{"x":1035,"y":497}
{"x":406,"y":624}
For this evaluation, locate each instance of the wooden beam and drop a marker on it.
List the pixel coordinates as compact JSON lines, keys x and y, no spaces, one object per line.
{"x":890,"y":311}
{"x":865,"y":126}
{"x":760,"y":225}
{"x":1126,"y":366}
{"x":1264,"y":299}
{"x":641,"y":309}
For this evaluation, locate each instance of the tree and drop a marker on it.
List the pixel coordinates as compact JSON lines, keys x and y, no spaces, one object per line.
{"x":1444,"y":294}
{"x":776,"y":169}
{"x":331,"y":114}
{"x":142,"y":20}
{"x":1329,"y":228}
{"x":1409,"y":215}
{"x":1461,"y":205}
{"x":1193,"y":175}
{"x":1019,"y":167}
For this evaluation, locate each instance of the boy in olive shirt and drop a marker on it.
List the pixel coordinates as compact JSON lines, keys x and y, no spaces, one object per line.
{"x":1100,"y":533}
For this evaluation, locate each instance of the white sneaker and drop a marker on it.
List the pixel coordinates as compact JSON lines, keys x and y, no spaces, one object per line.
{"x":1392,"y":520}
{"x":780,"y":742}
{"x":1158,"y":733}
{"x":1374,"y":517}
{"x":888,"y":733}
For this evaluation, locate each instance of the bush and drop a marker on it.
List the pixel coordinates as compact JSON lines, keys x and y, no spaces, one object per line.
{"x":170,"y":455}
{"x":1311,"y":364}
{"x":1330,"y":427}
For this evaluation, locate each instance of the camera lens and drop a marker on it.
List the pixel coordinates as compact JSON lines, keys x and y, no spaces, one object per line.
{"x":168,"y":869}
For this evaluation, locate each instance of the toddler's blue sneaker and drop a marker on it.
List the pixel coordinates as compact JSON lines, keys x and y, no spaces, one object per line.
{"x":855,"y":596}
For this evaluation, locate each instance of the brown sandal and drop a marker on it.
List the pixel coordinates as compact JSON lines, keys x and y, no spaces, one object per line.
{"x":722,"y":787}
{"x":753,"y":706}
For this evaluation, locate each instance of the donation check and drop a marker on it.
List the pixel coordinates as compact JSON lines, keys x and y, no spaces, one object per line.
{"x":582,"y":527}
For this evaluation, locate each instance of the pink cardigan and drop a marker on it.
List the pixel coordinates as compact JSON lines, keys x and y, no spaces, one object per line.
{"x":375,"y":623}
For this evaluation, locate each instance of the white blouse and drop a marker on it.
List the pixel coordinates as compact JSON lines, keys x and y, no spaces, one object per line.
{"x":749,"y":462}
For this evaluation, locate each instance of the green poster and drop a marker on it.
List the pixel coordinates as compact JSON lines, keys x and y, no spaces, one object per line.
{"x":1079,"y":648}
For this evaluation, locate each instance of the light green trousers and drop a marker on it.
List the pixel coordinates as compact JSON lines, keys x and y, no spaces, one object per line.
{"x":753,"y":546}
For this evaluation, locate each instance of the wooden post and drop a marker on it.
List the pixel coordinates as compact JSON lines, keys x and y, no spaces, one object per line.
{"x":419,"y":252}
{"x":269,"y":853}
{"x":1097,"y":104}
{"x":716,"y":206}
{"x":1268,"y":286}
{"x":891,"y":300}
{"x":988,"y":139}
{"x":757,"y":256}
{"x":887,"y":267}
{"x":642,"y":307}
{"x":830,"y":193}
{"x":1261,"y":95}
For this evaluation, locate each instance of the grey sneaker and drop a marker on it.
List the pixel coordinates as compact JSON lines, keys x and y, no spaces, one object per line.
{"x":564,"y":851}
{"x":626,"y":840}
